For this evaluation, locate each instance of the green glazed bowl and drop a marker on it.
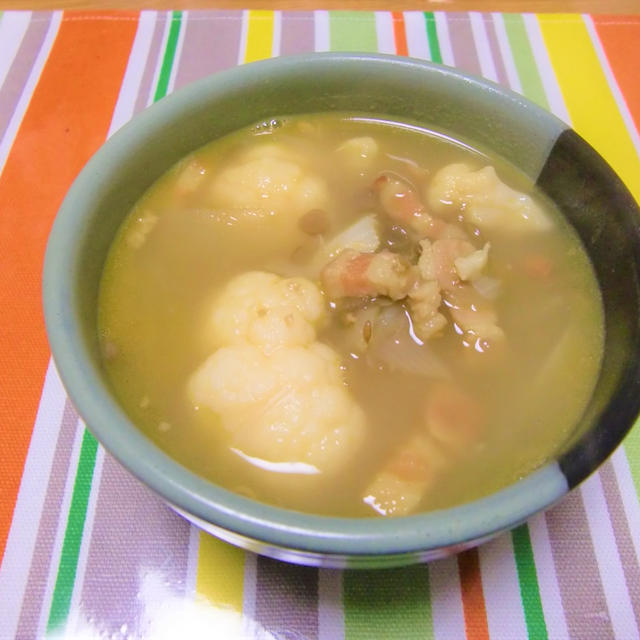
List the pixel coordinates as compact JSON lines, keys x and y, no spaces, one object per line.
{"x":565,"y":167}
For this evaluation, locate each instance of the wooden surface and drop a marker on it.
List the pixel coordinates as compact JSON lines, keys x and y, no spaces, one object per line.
{"x":574,"y":6}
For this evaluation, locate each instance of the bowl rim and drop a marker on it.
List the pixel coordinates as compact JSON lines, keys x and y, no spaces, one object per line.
{"x":188,"y":491}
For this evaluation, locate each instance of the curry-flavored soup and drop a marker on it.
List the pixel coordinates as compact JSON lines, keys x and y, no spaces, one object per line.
{"x":349,"y":316}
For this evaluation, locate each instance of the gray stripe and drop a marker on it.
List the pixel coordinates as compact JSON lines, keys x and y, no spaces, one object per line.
{"x":152,"y":60}
{"x":20,"y":69}
{"x":211,"y":44}
{"x":32,"y":601}
{"x":135,"y":539}
{"x":495,"y":49}
{"x":462,"y":43}
{"x":622,"y":534}
{"x":581,"y":590}
{"x":297,"y":32}
{"x":287,"y":599}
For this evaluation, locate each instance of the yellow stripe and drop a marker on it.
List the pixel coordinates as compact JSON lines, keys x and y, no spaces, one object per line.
{"x":590,"y":103}
{"x":220,"y":574}
{"x":259,"y":36}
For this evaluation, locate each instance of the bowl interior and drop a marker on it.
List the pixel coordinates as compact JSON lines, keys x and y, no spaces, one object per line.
{"x":569,"y":171}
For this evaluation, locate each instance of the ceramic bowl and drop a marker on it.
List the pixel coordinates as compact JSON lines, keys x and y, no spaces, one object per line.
{"x":563,"y":165}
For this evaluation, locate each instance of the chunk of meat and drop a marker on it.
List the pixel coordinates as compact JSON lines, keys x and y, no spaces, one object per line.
{"x":424,"y":305}
{"x":400,"y":486}
{"x":444,"y":254}
{"x":453,"y":417}
{"x":355,"y":274}
{"x":401,"y":202}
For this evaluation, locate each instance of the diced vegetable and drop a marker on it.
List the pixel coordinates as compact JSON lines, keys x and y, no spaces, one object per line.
{"x":362,"y":236}
{"x":393,"y":347}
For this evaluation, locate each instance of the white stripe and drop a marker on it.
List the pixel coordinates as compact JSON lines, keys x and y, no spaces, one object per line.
{"x":30,"y":85}
{"x":244,"y":33}
{"x":501,"y":589}
{"x":16,"y":563}
{"x":481,"y":40}
{"x":417,"y":40}
{"x":191,"y":578}
{"x":277,"y":34}
{"x":161,"y":52}
{"x":330,"y":605}
{"x":75,"y":619}
{"x":444,"y":40}
{"x":614,"y":583}
{"x":545,"y":68}
{"x":505,"y":52}
{"x":628,"y":495}
{"x":12,"y":29}
{"x":178,"y":53}
{"x":613,"y":85}
{"x":446,"y":599}
{"x":321,"y":37}
{"x":130,"y":87}
{"x":63,"y":516}
{"x":384,"y":32}
{"x":249,"y":585}
{"x":550,"y":597}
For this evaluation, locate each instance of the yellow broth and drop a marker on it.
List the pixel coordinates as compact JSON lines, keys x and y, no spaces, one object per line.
{"x":177,"y":249}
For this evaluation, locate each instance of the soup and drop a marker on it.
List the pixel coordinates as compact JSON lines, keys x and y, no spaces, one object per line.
{"x":350,"y":316}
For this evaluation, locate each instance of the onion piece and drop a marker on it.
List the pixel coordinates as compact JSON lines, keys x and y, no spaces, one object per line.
{"x":487,"y":287}
{"x":394,"y":346}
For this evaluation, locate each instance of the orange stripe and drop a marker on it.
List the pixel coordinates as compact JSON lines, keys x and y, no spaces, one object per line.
{"x":67,"y":120}
{"x":475,"y":613}
{"x":620,"y":39}
{"x":399,"y":33}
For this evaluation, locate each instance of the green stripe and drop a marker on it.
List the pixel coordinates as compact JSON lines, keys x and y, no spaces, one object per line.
{"x":529,"y":588}
{"x":73,"y":534}
{"x":387,"y":604}
{"x":632,"y":449}
{"x":169,"y":55}
{"x":353,"y":31}
{"x":524,"y":59}
{"x":432,"y":37}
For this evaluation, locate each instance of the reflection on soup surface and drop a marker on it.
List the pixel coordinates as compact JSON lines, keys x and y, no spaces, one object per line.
{"x":350,"y":316}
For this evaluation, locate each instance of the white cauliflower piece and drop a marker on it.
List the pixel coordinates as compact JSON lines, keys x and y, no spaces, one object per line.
{"x":358,"y":154}
{"x":268,"y":178}
{"x":484,"y":200}
{"x":287,"y":406}
{"x":471,"y":267}
{"x":140,"y":228}
{"x":264,"y":309}
{"x":279,"y":393}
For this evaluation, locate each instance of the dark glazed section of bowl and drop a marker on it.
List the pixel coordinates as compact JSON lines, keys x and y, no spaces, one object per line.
{"x":601,"y":209}
{"x":436,"y":96}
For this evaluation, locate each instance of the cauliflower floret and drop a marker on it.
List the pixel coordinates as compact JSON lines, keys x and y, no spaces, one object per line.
{"x":358,"y":154}
{"x":279,"y":393}
{"x":484,"y":200}
{"x":470,"y":267}
{"x":265,"y":309}
{"x":289,"y":405}
{"x":267,"y":178}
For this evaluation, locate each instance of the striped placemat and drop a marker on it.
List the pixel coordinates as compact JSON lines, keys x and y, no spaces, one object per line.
{"x":87,"y":552}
